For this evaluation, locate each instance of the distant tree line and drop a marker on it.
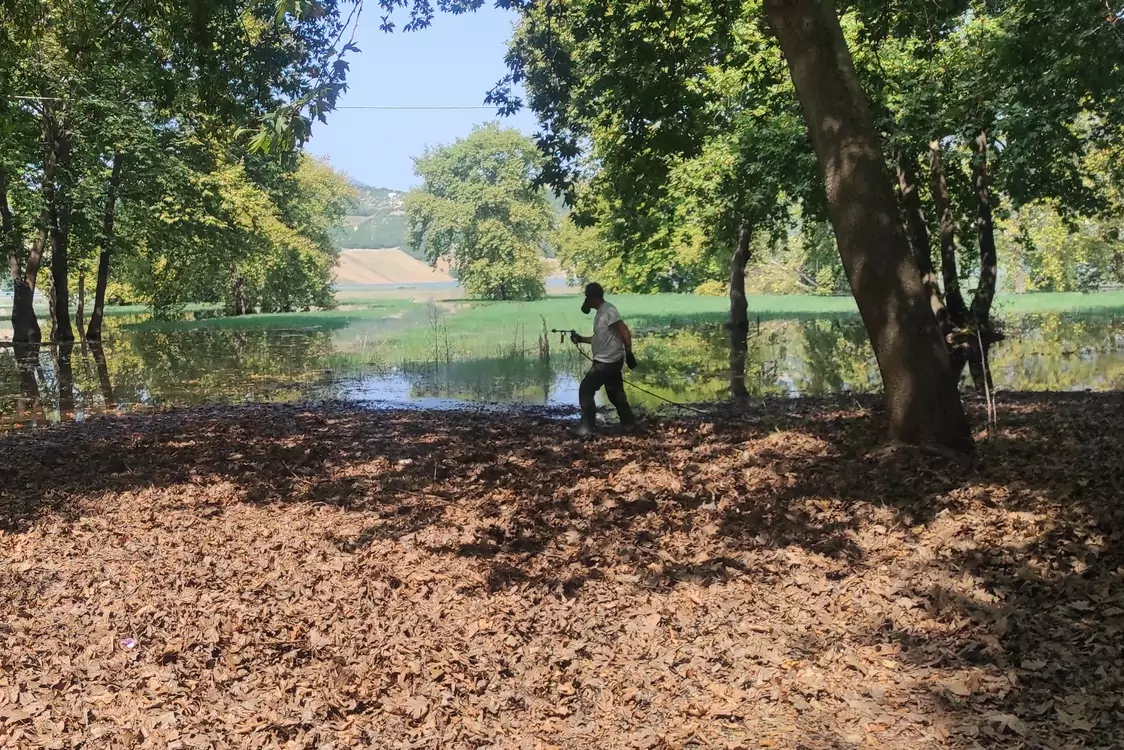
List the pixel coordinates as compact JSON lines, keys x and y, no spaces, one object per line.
{"x":151,"y":152}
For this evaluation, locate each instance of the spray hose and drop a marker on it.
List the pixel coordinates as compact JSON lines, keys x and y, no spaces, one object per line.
{"x":641,"y":388}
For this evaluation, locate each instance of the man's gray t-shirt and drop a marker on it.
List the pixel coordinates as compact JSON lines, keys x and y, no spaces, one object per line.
{"x":607,"y":345}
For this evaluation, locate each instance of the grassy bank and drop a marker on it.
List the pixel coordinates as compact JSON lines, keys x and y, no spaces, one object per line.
{"x":329,"y":319}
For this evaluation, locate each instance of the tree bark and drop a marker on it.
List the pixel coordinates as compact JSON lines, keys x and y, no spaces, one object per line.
{"x":237,"y":294}
{"x":52,"y":307}
{"x":739,"y":315}
{"x":978,"y":362}
{"x":25,"y":324}
{"x":923,"y":405}
{"x":93,"y":332}
{"x":918,"y":232}
{"x":985,"y":229}
{"x":954,"y":299}
{"x":58,"y":219}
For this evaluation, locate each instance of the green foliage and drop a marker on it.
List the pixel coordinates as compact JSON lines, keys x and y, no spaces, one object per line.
{"x":711,"y":289}
{"x":479,"y":208}
{"x":249,"y":233}
{"x":691,"y":133}
{"x":167,"y":91}
{"x":671,"y":125}
{"x":1042,"y":79}
{"x":805,"y":261}
{"x":1047,"y":252}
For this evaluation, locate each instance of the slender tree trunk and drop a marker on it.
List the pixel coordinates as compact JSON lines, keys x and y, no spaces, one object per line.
{"x":985,"y":229}
{"x":93,"y":333}
{"x":52,"y":307}
{"x":25,"y":325}
{"x":80,"y":310}
{"x":923,"y":405}
{"x":103,"y":375}
{"x":918,"y":232}
{"x":954,"y":299}
{"x":237,"y":294}
{"x":739,"y":314}
{"x":989,"y":270}
{"x":57,"y":213}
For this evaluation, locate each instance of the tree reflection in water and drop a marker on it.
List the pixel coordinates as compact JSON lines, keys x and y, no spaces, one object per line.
{"x":144,"y":369}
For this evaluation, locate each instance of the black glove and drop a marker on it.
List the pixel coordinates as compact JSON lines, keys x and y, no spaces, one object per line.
{"x":630,"y":360}
{"x":575,"y":337}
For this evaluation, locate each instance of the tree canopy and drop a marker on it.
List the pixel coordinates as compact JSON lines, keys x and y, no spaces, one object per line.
{"x":478,"y":207}
{"x":128,"y":147}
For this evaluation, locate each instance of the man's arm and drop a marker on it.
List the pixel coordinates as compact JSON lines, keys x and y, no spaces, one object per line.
{"x":577,"y":338}
{"x":623,"y":334}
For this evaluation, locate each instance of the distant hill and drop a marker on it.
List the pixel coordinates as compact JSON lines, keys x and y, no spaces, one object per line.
{"x":377,"y":220}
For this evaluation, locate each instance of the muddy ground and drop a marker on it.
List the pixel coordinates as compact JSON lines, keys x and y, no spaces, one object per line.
{"x":327,"y":577}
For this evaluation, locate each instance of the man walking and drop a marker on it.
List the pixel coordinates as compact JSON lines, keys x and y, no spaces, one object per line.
{"x":612,"y":348}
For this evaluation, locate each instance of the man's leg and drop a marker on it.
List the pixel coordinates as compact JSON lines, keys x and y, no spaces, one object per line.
{"x":614,"y":388}
{"x":590,"y":384}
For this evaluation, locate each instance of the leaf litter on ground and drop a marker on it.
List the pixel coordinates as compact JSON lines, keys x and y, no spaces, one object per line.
{"x":327,"y":577}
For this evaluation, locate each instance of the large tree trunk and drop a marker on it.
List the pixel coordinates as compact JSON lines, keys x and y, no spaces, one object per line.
{"x":25,"y":325}
{"x":93,"y":332}
{"x":923,"y":405}
{"x":919,"y":240}
{"x":953,"y":298}
{"x":739,"y":314}
{"x":58,"y":220}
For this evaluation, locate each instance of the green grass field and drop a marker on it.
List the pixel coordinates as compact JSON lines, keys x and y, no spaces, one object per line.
{"x":513,"y":324}
{"x":376,"y":309}
{"x":1060,"y":302}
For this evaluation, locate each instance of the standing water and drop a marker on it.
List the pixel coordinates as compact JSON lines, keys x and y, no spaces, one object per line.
{"x":141,"y":368}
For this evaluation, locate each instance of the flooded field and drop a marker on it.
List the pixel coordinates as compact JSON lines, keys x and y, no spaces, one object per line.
{"x":423,"y":355}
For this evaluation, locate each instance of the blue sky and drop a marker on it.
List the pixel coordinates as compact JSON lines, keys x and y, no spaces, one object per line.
{"x":453,"y":62}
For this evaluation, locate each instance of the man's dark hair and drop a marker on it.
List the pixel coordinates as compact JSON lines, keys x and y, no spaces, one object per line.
{"x":594,"y":290}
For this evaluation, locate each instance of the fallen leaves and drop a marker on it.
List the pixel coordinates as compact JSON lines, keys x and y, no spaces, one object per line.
{"x":281,"y":576}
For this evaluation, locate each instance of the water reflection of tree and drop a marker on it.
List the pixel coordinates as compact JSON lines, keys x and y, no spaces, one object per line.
{"x":147,"y":368}
{"x":835,"y":357}
{"x":1057,"y":352}
{"x":97,"y":352}
{"x":65,"y":379}
{"x":218,"y":364}
{"x":20,"y":400}
{"x":1060,"y":352}
{"x":517,"y":379}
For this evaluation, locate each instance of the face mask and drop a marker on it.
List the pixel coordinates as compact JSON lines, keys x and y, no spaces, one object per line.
{"x":585,"y":308}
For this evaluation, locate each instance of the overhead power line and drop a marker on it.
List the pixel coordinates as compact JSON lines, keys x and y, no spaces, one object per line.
{"x":403,"y":107}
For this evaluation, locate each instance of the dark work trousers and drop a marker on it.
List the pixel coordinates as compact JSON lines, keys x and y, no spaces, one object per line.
{"x":610,"y":375}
